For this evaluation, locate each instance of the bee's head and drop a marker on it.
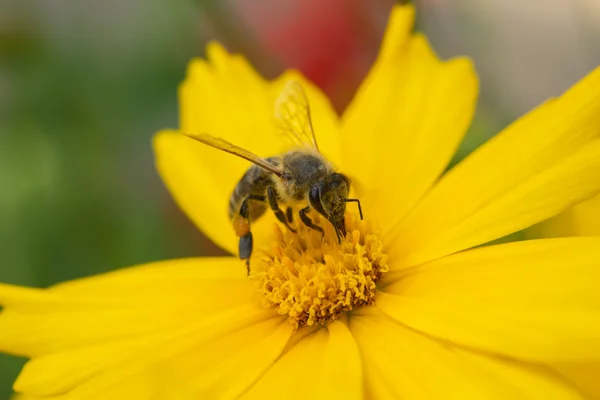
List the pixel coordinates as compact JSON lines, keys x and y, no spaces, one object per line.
{"x":328,"y":197}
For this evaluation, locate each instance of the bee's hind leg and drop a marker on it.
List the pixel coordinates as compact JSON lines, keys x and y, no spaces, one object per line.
{"x":241,"y":224}
{"x":272,"y":197}
{"x":308,"y":222}
{"x":245,"y":249}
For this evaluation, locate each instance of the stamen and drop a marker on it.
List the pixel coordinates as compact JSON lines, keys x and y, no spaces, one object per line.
{"x":313,"y":279}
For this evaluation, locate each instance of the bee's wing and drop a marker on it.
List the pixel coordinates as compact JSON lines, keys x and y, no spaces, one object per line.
{"x":224,"y":145}
{"x":292,"y":114}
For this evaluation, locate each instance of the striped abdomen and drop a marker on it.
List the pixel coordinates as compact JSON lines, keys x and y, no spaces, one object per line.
{"x":254,"y":182}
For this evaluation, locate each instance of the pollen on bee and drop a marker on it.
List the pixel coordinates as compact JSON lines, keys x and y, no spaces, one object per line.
{"x":313,"y":279}
{"x":241,"y":225}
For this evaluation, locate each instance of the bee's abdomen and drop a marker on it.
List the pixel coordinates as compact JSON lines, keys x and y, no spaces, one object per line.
{"x":254,"y":182}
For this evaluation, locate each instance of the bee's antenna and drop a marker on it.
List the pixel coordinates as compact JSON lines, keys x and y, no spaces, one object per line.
{"x":357,"y":201}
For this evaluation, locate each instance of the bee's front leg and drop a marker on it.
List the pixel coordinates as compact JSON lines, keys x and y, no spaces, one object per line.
{"x":289,"y":214}
{"x":272,"y":197}
{"x":308,"y":222}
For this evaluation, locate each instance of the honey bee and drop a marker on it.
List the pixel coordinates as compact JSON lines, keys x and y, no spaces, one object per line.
{"x":301,"y":176}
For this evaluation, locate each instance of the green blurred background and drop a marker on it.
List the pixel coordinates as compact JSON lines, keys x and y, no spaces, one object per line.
{"x":84,"y":85}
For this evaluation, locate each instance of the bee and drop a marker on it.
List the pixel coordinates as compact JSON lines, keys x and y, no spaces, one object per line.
{"x":299,"y":176}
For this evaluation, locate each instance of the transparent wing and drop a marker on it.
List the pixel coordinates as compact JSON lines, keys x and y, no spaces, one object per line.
{"x":230,"y":148}
{"x":292,"y":115}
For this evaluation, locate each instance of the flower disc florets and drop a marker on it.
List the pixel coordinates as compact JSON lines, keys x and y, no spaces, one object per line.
{"x":312,"y":278}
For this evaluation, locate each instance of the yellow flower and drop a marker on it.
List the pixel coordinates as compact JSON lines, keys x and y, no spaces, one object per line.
{"x":433,"y":314}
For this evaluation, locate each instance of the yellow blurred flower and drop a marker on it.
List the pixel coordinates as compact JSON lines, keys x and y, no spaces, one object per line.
{"x":416,"y":309}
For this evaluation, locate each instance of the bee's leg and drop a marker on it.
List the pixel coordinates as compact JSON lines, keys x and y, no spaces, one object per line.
{"x":272,"y":196}
{"x":289,"y":214}
{"x":308,"y":222}
{"x":241,"y":225}
{"x":245,"y":249}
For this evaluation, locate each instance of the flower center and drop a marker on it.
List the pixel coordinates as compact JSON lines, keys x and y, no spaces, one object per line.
{"x":312,"y":278}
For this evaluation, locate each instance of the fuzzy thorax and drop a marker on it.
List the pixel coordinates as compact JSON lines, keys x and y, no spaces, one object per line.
{"x":313,"y":279}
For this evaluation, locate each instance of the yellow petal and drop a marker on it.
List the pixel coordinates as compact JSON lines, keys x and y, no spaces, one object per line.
{"x":405,"y":122}
{"x":536,"y":300}
{"x":402,"y":364}
{"x":189,"y":366}
{"x":581,"y":220}
{"x":583,"y":376}
{"x":195,"y":185}
{"x":25,"y":397}
{"x":324,"y":365}
{"x":149,"y":299}
{"x":541,"y":165}
{"x":226,"y":98}
{"x":189,"y":325}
